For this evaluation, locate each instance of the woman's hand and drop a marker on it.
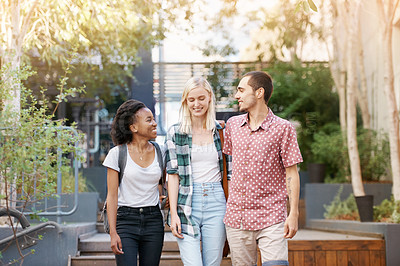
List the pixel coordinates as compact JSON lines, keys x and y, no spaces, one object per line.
{"x":116,"y":244}
{"x":164,"y":200}
{"x":176,"y":226}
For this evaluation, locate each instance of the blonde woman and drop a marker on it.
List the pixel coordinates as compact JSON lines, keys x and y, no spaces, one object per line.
{"x":194,"y":167}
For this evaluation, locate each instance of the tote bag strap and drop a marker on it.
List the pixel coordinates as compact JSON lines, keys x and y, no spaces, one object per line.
{"x":225,"y":173}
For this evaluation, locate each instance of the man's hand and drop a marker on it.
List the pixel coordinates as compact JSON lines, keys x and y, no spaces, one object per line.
{"x":291,"y":226}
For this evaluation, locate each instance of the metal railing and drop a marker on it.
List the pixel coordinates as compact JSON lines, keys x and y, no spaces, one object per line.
{"x":26,"y":229}
{"x":58,"y":212}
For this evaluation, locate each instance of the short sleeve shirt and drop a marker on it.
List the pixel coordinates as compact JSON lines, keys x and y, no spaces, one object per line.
{"x":139,"y":186}
{"x":257,"y":190}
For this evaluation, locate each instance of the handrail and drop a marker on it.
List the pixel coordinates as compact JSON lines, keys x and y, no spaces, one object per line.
{"x":24,"y":224}
{"x":30,"y":230}
{"x":60,"y":213}
{"x":17,"y":214}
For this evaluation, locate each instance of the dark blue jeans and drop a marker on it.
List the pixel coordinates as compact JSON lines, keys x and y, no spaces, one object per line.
{"x":142,"y":232}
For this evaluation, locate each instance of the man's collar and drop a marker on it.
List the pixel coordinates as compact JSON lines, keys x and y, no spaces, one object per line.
{"x":264,"y":125}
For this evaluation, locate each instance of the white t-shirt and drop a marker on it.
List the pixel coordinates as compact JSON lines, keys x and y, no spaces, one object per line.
{"x":139,"y":186}
{"x":205,"y":164}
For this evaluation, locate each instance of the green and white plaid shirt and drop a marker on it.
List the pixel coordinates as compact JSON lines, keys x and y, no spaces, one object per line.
{"x":178,"y":149}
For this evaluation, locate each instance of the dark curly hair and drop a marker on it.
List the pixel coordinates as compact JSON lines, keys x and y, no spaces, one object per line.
{"x":125,"y":117}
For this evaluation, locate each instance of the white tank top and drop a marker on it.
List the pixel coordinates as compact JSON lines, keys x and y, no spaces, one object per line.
{"x":205,"y":164}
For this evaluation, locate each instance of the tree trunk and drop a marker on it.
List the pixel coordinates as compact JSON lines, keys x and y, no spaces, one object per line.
{"x":12,"y":58}
{"x":356,"y":179}
{"x":342,"y":99}
{"x":338,"y":58}
{"x":394,"y":137}
{"x":362,"y":93}
{"x":388,"y":86}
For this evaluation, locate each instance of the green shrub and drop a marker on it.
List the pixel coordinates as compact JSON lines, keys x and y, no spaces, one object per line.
{"x":388,"y":211}
{"x":68,"y":183}
{"x":303,"y":93}
{"x":342,"y":210}
{"x":31,"y":140}
{"x":328,"y":148}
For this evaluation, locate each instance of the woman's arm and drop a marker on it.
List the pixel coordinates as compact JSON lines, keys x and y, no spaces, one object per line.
{"x":173,"y":190}
{"x":112,"y":206}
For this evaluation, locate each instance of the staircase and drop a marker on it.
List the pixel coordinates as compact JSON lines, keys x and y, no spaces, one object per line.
{"x":94,"y":249}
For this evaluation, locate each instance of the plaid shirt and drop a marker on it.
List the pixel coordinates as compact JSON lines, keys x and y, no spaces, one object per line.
{"x":178,"y":149}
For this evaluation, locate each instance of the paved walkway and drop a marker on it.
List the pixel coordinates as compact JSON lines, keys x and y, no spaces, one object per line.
{"x":302,"y":234}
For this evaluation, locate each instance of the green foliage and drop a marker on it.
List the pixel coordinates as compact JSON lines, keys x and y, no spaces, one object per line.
{"x":290,"y":27}
{"x":291,"y":24}
{"x":342,"y":210}
{"x":31,"y":142}
{"x":303,"y":92}
{"x":34,"y":146}
{"x":68,"y":183}
{"x":107,"y":36}
{"x":329,"y":148}
{"x":306,"y":5}
{"x":388,"y":211}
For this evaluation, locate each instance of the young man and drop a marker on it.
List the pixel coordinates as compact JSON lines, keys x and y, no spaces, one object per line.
{"x":265,"y":155}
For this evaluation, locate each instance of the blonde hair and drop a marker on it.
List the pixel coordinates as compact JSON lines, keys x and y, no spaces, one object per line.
{"x":184,"y":113}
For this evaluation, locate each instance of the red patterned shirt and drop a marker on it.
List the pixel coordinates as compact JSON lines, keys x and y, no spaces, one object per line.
{"x":257,"y":189}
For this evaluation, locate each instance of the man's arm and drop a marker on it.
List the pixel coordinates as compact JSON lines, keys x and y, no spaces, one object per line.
{"x":293,"y":189}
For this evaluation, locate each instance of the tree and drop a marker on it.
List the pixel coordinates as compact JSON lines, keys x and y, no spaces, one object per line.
{"x":352,"y":14}
{"x":387,"y":11}
{"x":290,"y":25}
{"x":30,"y":150}
{"x":107,"y":34}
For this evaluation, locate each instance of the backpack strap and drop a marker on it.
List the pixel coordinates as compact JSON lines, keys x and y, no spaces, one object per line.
{"x":160,"y":160}
{"x":122,"y":151}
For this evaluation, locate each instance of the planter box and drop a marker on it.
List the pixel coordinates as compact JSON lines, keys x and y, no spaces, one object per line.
{"x":390,"y":233}
{"x":86,"y":211}
{"x":53,"y":249}
{"x":317,"y":195}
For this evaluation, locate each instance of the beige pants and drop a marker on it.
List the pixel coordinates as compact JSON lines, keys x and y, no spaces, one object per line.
{"x":243,"y":245}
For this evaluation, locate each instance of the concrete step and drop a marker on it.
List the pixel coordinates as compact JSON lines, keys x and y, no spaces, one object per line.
{"x":100,"y":243}
{"x":94,"y":249}
{"x":100,"y":227}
